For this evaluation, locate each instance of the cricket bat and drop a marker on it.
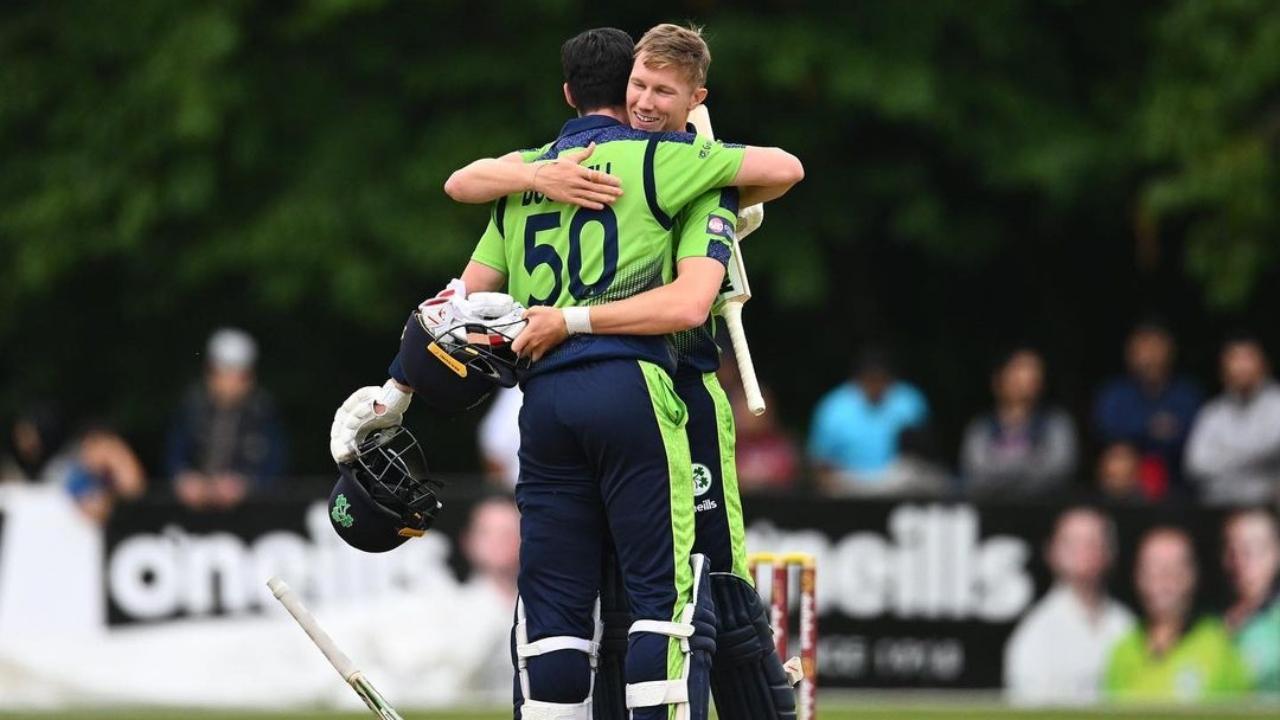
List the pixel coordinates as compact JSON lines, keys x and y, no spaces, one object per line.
{"x":735,"y":294}
{"x":336,"y":657}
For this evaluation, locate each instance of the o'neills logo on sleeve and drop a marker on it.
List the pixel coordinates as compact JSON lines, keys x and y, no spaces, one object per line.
{"x":458,"y":368}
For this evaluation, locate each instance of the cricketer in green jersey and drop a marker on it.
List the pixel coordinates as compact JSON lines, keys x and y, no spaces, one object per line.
{"x":666,"y":82}
{"x":558,"y":256}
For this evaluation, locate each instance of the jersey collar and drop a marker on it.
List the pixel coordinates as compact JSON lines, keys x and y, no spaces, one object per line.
{"x":587,"y":122}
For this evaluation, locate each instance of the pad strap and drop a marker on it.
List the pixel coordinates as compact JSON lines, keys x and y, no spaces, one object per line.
{"x":662,"y":627}
{"x":537,"y":710}
{"x":657,"y":692}
{"x":552,"y":644}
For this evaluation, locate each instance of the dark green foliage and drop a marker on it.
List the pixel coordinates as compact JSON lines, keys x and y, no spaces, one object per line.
{"x":976,"y":172}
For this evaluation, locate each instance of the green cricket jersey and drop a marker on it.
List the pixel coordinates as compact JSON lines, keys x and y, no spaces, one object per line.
{"x":1203,"y":665}
{"x":560,"y":255}
{"x":705,"y":228}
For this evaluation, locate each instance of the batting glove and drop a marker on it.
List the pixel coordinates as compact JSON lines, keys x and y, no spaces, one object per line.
{"x":358,"y":417}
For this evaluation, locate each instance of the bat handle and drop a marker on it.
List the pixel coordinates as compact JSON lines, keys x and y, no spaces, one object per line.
{"x":290,"y":600}
{"x":746,"y":368}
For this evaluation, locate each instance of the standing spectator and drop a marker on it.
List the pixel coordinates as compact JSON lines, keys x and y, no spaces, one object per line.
{"x":1234,"y":450}
{"x":1057,"y":652}
{"x":1022,"y":449}
{"x":854,"y":439}
{"x":1172,"y":655}
{"x":500,"y":439}
{"x":1251,"y":556}
{"x":226,"y":441}
{"x":1150,"y":407}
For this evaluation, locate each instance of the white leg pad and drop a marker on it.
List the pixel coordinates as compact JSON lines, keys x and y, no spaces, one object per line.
{"x":669,"y":692}
{"x":533,"y":709}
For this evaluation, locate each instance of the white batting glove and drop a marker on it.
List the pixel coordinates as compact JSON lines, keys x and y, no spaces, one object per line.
{"x":358,"y":417}
{"x":749,"y":220}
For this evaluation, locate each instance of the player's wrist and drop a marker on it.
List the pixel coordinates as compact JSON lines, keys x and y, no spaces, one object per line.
{"x":577,"y":320}
{"x":533,"y":170}
{"x":394,"y":398}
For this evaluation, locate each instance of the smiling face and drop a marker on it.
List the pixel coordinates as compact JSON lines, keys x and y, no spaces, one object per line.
{"x":659,"y":99}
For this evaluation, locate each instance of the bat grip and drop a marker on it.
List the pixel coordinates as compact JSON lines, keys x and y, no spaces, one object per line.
{"x":293,"y":604}
{"x":746,"y":369}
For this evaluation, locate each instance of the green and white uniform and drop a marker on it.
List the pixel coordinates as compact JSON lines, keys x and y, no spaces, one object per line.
{"x":1202,"y":665}
{"x":603,"y":452}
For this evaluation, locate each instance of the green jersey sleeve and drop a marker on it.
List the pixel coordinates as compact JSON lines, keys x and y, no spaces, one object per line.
{"x":683,"y":167}
{"x":491,"y":250}
{"x":535,"y":153}
{"x":706,"y":226}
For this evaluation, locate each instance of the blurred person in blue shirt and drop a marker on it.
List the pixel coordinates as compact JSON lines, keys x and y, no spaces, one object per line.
{"x":854,"y":439}
{"x":226,"y":442}
{"x":1150,"y":407}
{"x":95,"y":466}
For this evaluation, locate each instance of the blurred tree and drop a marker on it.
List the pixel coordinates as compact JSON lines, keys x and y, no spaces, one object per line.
{"x":975,"y":173}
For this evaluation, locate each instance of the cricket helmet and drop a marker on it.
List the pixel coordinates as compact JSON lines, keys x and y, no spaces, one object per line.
{"x":385,"y":495}
{"x":455,"y":358}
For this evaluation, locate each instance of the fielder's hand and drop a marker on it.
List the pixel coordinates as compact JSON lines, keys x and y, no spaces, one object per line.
{"x":565,"y":180}
{"x":368,"y":409}
{"x":749,"y":220}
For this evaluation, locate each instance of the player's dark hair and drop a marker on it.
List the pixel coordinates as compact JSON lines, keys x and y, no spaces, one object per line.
{"x":597,"y":66}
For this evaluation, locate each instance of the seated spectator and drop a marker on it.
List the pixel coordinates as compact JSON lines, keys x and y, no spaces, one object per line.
{"x":96,"y":466}
{"x":226,"y":441}
{"x":854,"y":439}
{"x":1172,"y":655}
{"x":1234,"y":449}
{"x":1057,"y":652}
{"x":767,"y":457}
{"x":1022,"y":449}
{"x":1150,"y":407}
{"x":105,"y":471}
{"x":37,"y":453}
{"x":1123,"y":475}
{"x":1251,"y":556}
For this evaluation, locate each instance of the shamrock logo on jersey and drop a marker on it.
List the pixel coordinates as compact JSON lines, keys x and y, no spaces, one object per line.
{"x":701,"y":479}
{"x":339,"y":512}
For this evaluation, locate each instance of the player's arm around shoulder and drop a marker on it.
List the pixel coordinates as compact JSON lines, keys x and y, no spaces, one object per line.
{"x":563,"y":179}
{"x":767,"y":173}
{"x":682,"y":304}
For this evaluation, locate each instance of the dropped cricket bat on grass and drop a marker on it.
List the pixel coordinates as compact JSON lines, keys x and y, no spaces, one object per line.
{"x":336,"y":657}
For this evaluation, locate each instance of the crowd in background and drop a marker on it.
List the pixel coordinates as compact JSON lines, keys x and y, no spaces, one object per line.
{"x":1155,"y":438}
{"x":225,"y":442}
{"x":1078,"y":644}
{"x":1158,"y":439}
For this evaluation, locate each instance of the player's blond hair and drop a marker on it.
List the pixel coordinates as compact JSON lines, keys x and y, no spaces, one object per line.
{"x":668,"y":45}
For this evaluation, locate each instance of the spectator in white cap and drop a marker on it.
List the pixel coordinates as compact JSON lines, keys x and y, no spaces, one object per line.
{"x":226,"y":441}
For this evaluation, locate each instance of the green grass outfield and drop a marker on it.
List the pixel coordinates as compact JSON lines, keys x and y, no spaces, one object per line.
{"x":825,"y":713}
